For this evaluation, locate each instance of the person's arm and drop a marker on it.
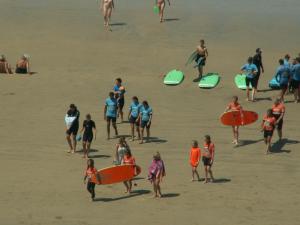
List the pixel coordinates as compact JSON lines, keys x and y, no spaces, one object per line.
{"x":84,"y":178}
{"x":116,"y":153}
{"x":169,"y":2}
{"x":113,"y":4}
{"x":105,"y":109}
{"x":213,"y":155}
{"x":227,"y":109}
{"x":27,"y":67}
{"x":129,"y":113}
{"x":6,"y":68}
{"x":206,"y":52}
{"x":150,"y":118}
{"x":262,"y":66}
{"x":95,"y":132}
{"x":277,"y":75}
{"x":262,"y":125}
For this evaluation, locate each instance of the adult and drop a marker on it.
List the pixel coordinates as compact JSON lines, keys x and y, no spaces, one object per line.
{"x":145,"y":120}
{"x":286,"y":60}
{"x":119,"y":91}
{"x":295,"y":82}
{"x":161,"y":4}
{"x":22,"y":66}
{"x":89,"y":132}
{"x":202,"y":54}
{"x":283,"y":75}
{"x":156,"y":173}
{"x":4,"y":65}
{"x":106,"y":7}
{"x":278,"y":110}
{"x":257,"y":61}
{"x":250,"y":70}
{"x":133,"y":117}
{"x":72,"y":122}
{"x":110,"y":113}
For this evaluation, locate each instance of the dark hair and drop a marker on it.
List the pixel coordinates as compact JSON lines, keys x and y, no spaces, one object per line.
{"x":281,"y":62}
{"x":235,"y":97}
{"x":88,"y":116}
{"x":195,"y":144}
{"x":250,"y":59}
{"x":207,"y":137}
{"x":145,"y":103}
{"x":72,"y":106}
{"x":135,"y":98}
{"x":111,"y":94}
{"x":119,"y":80}
{"x":91,"y":162}
{"x":128,"y":152}
{"x":298,"y":59}
{"x":287,"y":56}
{"x":269,"y":112}
{"x":277,"y":101}
{"x":258,"y":50}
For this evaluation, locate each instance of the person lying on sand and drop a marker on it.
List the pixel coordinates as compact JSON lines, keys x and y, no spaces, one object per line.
{"x":106,"y":7}
{"x":161,"y":4}
{"x":22,"y":66}
{"x":4,"y":65}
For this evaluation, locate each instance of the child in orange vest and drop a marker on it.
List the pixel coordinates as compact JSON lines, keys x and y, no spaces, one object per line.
{"x":208,"y":155}
{"x":195,"y":155}
{"x":268,"y":125}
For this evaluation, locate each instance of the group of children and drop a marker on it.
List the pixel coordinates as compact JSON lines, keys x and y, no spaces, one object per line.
{"x":22,"y":65}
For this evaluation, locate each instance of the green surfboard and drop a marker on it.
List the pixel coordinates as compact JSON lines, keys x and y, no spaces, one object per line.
{"x":174,"y":77}
{"x":191,"y":58}
{"x":209,"y":80}
{"x":240,"y":81}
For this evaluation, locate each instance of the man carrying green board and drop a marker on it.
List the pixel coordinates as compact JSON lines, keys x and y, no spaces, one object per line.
{"x":202,"y":54}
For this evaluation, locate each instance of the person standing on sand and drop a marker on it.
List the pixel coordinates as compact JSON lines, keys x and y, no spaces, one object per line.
{"x":268,"y":125}
{"x":128,"y":159}
{"x":110,"y":113}
{"x":119,"y":91}
{"x":72,"y":122}
{"x":283,"y":75}
{"x":161,"y":4}
{"x":195,"y":155}
{"x":121,"y":148}
{"x":156,"y":173}
{"x":89,"y":132}
{"x":145,"y":118}
{"x":133,"y":117}
{"x":4,"y":65}
{"x":295,"y":82}
{"x":106,"y":7}
{"x":251,"y":71}
{"x":278,"y":110}
{"x":89,"y":173}
{"x":208,"y":155}
{"x":235,"y":106}
{"x":257,"y":61}
{"x":201,"y":57}
{"x":287,"y":60}
{"x":22,"y":66}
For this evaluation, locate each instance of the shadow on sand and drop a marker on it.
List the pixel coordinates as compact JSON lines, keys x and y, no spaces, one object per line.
{"x":118,"y":24}
{"x":249,"y":142}
{"x":170,"y":195}
{"x":277,"y":147}
{"x":171,"y":19}
{"x":156,"y":140}
{"x":133,"y":194}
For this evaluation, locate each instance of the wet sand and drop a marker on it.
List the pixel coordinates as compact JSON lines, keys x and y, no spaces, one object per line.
{"x":77,"y":61}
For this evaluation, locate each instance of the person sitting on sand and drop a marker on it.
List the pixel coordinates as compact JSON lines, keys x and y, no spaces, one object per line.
{"x":161,"y":4}
{"x":208,"y":155}
{"x":106,"y":7}
{"x":195,"y":155}
{"x":268,"y":125}
{"x":89,"y":132}
{"x":128,"y":159}
{"x":22,"y":66}
{"x":250,"y":70}
{"x":4,"y":65}
{"x":202,"y":55}
{"x":156,"y":173}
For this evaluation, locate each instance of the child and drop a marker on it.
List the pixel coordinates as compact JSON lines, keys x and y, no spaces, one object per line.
{"x":128,"y":159}
{"x":89,"y":132}
{"x":156,"y":173}
{"x":208,"y":157}
{"x":268,"y":125}
{"x":195,"y":155}
{"x":278,"y":110}
{"x":90,"y":171}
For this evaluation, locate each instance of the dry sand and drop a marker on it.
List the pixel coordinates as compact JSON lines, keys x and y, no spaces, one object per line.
{"x":77,"y":62}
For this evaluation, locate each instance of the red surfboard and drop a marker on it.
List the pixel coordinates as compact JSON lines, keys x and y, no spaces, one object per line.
{"x":237,"y":118}
{"x":116,"y":174}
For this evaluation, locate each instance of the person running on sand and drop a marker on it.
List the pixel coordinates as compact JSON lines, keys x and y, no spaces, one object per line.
{"x":208,"y":155}
{"x":106,"y":7}
{"x":195,"y":155}
{"x":121,"y":149}
{"x":161,"y":4}
{"x":119,"y":91}
{"x":72,"y":122}
{"x":22,"y":66}
{"x":295,"y":82}
{"x":89,"y":173}
{"x":145,"y":120}
{"x":251,"y":71}
{"x":283,"y":75}
{"x":128,"y":159}
{"x":235,"y":106}
{"x":156,"y":173}
{"x":4,"y":65}
{"x":257,"y":61}
{"x":89,"y":132}
{"x":133,"y":117}
{"x":268,"y":125}
{"x":110,"y":113}
{"x":202,"y":55}
{"x":278,"y":110}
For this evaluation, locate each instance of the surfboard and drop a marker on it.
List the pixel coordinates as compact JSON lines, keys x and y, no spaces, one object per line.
{"x":155,"y":9}
{"x":116,"y":174}
{"x":235,"y":118}
{"x":69,"y":120}
{"x":240,"y":81}
{"x":174,"y":77}
{"x":209,"y":80}
{"x":192,"y":58}
{"x":274,"y":84}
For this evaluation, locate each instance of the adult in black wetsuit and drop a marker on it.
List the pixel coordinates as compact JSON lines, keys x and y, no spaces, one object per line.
{"x":72,"y":129}
{"x":257,"y":61}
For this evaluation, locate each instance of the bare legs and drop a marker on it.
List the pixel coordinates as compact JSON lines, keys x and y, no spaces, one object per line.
{"x":235,"y":130}
{"x":128,"y":185}
{"x":252,"y":94}
{"x":71,"y":139}
{"x":161,"y":11}
{"x":297,"y":95}
{"x":86,"y":149}
{"x":156,"y":188}
{"x":268,"y":143}
{"x":208,"y":171}
{"x":282,"y":93}
{"x":194,"y":171}
{"x":137,"y":130}
{"x":200,"y":70}
{"x":142,"y":134}
{"x":107,"y":10}
{"x":108,"y":129}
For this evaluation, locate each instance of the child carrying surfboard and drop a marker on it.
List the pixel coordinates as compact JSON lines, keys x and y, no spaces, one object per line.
{"x":89,"y":173}
{"x":195,"y":155}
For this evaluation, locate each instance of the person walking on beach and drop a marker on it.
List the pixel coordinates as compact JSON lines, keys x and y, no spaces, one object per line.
{"x":268,"y":125}
{"x":106,"y":7}
{"x":202,"y":54}
{"x":161,"y":4}
{"x":89,"y":173}
{"x":121,"y":148}
{"x":235,"y":106}
{"x":250,"y":70}
{"x":278,"y":110}
{"x":89,"y":132}
{"x":72,"y":122}
{"x":286,"y":60}
{"x":22,"y":66}
{"x":128,"y":159}
{"x":195,"y":155}
{"x":295,"y":82}
{"x":283,"y":75}
{"x":145,"y":120}
{"x":208,"y":155}
{"x":119,"y":91}
{"x":4,"y":65}
{"x":133,"y":117}
{"x":110,"y":113}
{"x":156,"y":173}
{"x":257,"y":61}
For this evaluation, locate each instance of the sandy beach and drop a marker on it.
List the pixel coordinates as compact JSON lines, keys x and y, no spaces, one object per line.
{"x":77,"y":61}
